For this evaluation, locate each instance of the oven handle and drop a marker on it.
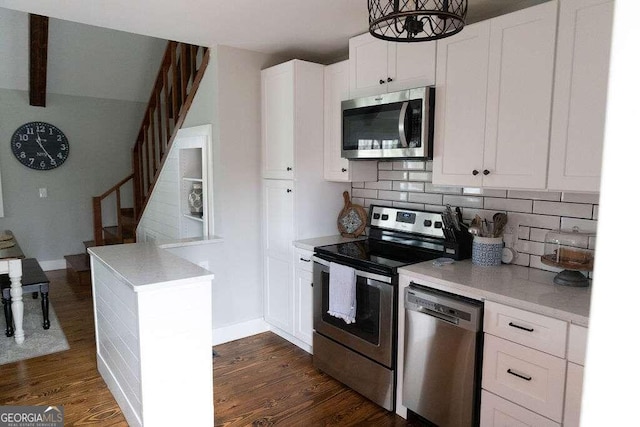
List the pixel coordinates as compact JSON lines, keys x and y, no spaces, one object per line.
{"x":365,"y":274}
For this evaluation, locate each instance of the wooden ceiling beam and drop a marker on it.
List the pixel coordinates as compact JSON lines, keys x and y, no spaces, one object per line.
{"x":38,"y":42}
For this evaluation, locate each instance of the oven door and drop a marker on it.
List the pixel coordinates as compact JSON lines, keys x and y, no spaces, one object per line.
{"x":372,"y":334}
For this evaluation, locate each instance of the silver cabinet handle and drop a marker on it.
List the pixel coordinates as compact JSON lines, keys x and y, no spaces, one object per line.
{"x":513,"y":325}
{"x":305,"y":260}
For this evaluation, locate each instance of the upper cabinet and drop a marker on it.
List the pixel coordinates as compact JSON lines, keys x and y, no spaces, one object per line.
{"x":580,"y":93}
{"x":278,"y":109}
{"x":493,"y":101}
{"x":377,"y":66}
{"x":336,"y":168}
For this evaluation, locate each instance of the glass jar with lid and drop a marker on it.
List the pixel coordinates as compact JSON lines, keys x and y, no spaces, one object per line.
{"x":571,"y":250}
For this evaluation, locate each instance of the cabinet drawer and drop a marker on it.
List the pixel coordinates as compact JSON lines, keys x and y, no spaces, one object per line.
{"x":523,"y":327}
{"x":498,"y":412}
{"x":303,"y":260}
{"x":577,"y":349}
{"x":525,"y":376}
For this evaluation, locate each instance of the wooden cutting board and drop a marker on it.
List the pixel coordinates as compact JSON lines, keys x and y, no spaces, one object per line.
{"x":352,"y":219}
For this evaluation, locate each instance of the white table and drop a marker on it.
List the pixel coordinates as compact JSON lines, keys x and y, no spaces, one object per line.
{"x":11,"y":263}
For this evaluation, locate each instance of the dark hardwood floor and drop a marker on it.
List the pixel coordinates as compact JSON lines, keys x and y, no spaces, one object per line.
{"x":261,"y":380}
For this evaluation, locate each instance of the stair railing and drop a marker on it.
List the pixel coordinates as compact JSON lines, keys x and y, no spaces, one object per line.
{"x":178,"y":79}
{"x":98,"y":235}
{"x":181,"y":71}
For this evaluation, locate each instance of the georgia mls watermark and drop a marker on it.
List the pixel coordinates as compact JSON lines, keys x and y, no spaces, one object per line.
{"x":31,"y":416}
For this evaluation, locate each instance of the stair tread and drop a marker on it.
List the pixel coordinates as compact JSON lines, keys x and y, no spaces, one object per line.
{"x":79,"y":262}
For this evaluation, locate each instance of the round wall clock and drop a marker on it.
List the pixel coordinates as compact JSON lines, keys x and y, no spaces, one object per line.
{"x":40,"y":146}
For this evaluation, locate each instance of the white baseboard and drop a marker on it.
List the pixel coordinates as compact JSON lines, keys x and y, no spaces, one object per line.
{"x":237,"y":331}
{"x":293,"y":340}
{"x":54,"y":264}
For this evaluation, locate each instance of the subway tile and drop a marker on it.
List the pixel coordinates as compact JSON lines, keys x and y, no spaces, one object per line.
{"x":398,"y":196}
{"x":593,"y":198}
{"x":357,"y":201}
{"x":470,"y":213}
{"x":596,"y":208}
{"x":430,"y":188}
{"x":432,"y":208}
{"x":533,"y":220}
{"x":385,"y":166}
{"x":369,"y":202}
{"x":463,"y":201}
{"x":357,"y":185}
{"x":509,"y":205}
{"x":538,"y":234}
{"x":404,"y":205}
{"x":522,"y":259}
{"x":408,"y":186}
{"x":536,"y":263}
{"x":585,"y":225}
{"x":420,"y":176}
{"x":429,"y":166}
{"x":553,"y":196}
{"x":574,"y":210}
{"x":379,"y":185}
{"x":393,"y":175}
{"x":366,"y":194}
{"x":427,"y":198}
{"x":484,"y":192}
{"x":409,"y":165}
{"x":523,"y":232}
{"x":532,"y":248}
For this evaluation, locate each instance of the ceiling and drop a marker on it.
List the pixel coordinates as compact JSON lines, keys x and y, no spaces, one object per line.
{"x":316,"y":30}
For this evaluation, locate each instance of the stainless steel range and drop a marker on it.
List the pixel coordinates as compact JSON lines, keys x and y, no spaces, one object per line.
{"x":361,"y":352}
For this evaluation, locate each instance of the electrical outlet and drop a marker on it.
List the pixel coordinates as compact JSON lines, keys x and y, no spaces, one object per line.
{"x":43,"y":193}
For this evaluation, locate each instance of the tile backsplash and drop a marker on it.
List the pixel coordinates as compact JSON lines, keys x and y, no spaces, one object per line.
{"x":407,"y":184}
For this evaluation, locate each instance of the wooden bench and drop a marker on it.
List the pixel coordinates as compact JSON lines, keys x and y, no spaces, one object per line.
{"x":33,"y":280}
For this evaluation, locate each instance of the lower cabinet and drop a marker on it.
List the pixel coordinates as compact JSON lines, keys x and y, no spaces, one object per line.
{"x":303,"y":296}
{"x":278,"y":295}
{"x":496,"y":411}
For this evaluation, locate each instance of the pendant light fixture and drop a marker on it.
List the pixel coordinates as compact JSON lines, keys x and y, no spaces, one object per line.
{"x":416,"y":20}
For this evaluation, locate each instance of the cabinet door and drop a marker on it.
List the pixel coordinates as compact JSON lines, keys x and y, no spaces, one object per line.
{"x":278,"y":121}
{"x":336,"y":168}
{"x":573,"y":395}
{"x":278,"y":301}
{"x":519,"y":98}
{"x":580,"y":94}
{"x":498,"y":412}
{"x":461,"y":91}
{"x":368,"y":60}
{"x":303,"y":326}
{"x":411,"y":65}
{"x":278,"y":220}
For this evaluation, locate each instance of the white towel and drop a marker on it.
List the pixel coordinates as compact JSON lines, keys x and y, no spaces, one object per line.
{"x":342,"y":292}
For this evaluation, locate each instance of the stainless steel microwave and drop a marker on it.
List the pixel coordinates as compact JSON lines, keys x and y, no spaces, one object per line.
{"x":396,"y":125}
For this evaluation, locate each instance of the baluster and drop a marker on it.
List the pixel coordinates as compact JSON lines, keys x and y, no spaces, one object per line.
{"x":146,"y":155}
{"x":152,"y":137}
{"x":118,"y":208}
{"x":184,"y":62}
{"x":159,"y":112}
{"x":97,"y":221}
{"x":176,"y":84}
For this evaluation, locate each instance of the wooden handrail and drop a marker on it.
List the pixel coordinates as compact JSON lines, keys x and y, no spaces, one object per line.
{"x":177,"y":81}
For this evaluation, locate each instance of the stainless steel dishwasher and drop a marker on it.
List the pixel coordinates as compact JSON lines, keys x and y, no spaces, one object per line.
{"x":442,"y":357}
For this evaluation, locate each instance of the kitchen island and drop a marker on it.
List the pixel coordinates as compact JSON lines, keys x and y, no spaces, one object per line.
{"x":152,"y":314}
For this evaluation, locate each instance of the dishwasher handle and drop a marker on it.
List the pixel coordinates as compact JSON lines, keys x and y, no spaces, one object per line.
{"x":461,"y":313}
{"x":425,"y":310}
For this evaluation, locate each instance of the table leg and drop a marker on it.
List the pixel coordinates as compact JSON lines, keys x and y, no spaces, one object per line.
{"x":17,"y":306}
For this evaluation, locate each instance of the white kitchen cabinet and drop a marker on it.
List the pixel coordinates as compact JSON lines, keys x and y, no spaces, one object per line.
{"x":580,"y":94}
{"x":499,"y":412}
{"x":337,"y":168}
{"x":378,"y":66}
{"x":493,"y":105}
{"x":290,"y":201}
{"x":576,"y":354}
{"x":303,"y":293}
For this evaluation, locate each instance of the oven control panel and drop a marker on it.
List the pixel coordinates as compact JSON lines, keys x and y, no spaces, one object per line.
{"x":410,"y":221}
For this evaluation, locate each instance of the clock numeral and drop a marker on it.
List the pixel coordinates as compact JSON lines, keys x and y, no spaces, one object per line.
{"x":50,"y":131}
{"x":31,"y":159}
{"x":60,"y":140}
{"x":53,"y":162}
{"x":23,"y":155}
{"x":18,"y":145}
{"x":60,"y":156}
{"x":23,"y":137}
{"x":63,"y":147}
{"x":40,"y":128}
{"x":43,"y":164}
{"x":29,"y":131}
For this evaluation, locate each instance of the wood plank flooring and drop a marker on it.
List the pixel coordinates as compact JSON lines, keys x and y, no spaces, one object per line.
{"x":261,"y":380}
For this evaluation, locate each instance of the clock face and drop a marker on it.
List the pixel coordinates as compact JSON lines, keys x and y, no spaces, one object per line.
{"x":39,"y":145}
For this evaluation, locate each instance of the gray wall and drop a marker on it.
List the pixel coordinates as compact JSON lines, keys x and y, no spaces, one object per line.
{"x":101,"y":133}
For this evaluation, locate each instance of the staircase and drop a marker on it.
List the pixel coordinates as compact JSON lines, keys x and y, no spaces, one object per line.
{"x":183,"y":66}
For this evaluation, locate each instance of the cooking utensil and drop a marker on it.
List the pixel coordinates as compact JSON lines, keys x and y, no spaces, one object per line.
{"x":474,"y":230}
{"x":499,"y":223}
{"x":352,"y":219}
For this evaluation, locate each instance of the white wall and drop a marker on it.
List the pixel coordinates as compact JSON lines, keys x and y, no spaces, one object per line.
{"x":82,"y":60}
{"x":229,"y":99}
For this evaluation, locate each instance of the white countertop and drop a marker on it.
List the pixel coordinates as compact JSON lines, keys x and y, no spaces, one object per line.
{"x":145,"y":266}
{"x":192,"y":241}
{"x":522,"y":287}
{"x":311,"y":244}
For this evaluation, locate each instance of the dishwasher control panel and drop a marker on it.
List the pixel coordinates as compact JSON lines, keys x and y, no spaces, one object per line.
{"x":415,"y":298}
